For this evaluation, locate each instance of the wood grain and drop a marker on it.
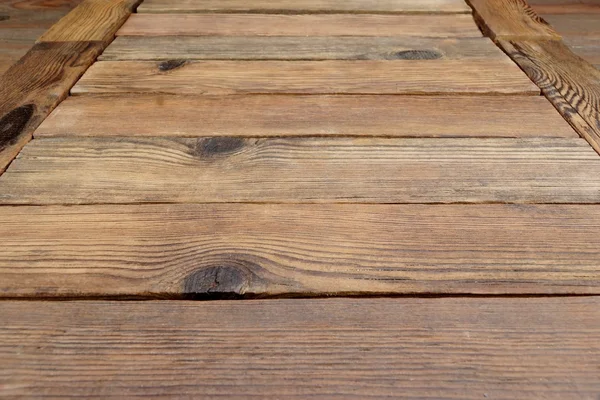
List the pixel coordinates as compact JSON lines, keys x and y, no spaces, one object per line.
{"x":248,"y":250}
{"x":565,"y":7}
{"x":299,"y":48}
{"x":32,"y":87}
{"x":302,"y":170}
{"x":576,"y":24}
{"x":300,"y":25}
{"x":336,"y":348}
{"x":568,"y":81}
{"x":92,"y":20}
{"x":306,"y":77}
{"x":511,"y":19}
{"x":305,"y":6}
{"x":273,"y":115}
{"x":587,"y":48}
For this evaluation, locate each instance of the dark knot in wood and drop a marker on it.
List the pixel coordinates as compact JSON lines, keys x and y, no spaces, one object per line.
{"x":230,"y":278}
{"x":13,"y":123}
{"x":170,"y":65}
{"x":416,"y":55}
{"x":217,"y":146}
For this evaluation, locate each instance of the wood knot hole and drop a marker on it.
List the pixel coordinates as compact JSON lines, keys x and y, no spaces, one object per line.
{"x":13,"y":123}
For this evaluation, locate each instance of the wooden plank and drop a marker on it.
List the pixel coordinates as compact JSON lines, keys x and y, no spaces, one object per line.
{"x":568,"y":81}
{"x":299,"y":48}
{"x":511,"y":19}
{"x":336,"y":348}
{"x":587,"y":48}
{"x":576,"y":24}
{"x":305,"y":6}
{"x":273,"y":115}
{"x":564,"y":7}
{"x":309,"y":170}
{"x":92,"y":20}
{"x":248,"y":250}
{"x":308,"y":77}
{"x":300,"y":25}
{"x":32,"y":87}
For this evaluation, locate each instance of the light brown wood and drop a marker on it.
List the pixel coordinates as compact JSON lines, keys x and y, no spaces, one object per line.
{"x":300,"y":25}
{"x":92,"y":20}
{"x":565,"y":7}
{"x":308,"y":77}
{"x":294,"y":349}
{"x":305,"y":6}
{"x":511,"y":19}
{"x":576,"y":24}
{"x":225,"y":250}
{"x":305,"y":170}
{"x":568,"y":81}
{"x":273,"y":115}
{"x":587,"y":48}
{"x":299,"y":48}
{"x":32,"y":87}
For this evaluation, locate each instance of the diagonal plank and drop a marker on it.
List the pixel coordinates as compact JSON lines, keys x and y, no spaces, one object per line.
{"x":300,"y":48}
{"x":214,"y":250}
{"x":305,"y":6}
{"x":308,"y":77}
{"x":336,"y":348}
{"x":300,"y":25}
{"x":274,"y":115}
{"x":311,"y":170}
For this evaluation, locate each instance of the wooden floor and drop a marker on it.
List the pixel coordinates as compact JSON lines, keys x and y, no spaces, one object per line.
{"x":293,"y":199}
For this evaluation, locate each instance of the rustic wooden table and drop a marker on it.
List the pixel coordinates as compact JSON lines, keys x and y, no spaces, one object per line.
{"x":432,"y":165}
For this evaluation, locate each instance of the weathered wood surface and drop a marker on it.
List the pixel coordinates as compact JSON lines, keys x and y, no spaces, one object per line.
{"x":305,"y":6}
{"x":568,"y":81}
{"x":299,"y":48}
{"x":300,"y":25}
{"x":511,"y":19}
{"x":215,"y":250}
{"x":307,"y":77}
{"x":565,"y":6}
{"x":32,"y":87}
{"x":92,"y":20}
{"x":273,"y":115}
{"x":587,"y":48}
{"x":576,"y":24}
{"x":336,"y":348}
{"x":313,"y":170}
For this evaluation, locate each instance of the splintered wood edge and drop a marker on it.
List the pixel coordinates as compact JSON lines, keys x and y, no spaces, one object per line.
{"x":23,"y":110}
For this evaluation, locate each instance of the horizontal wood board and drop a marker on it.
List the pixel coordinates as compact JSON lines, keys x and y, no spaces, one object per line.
{"x":231,"y":250}
{"x":305,"y":170}
{"x":307,"y":77}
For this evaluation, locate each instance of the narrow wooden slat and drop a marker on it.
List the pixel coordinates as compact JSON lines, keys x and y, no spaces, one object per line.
{"x":273,"y":115}
{"x":305,"y":6}
{"x":336,"y":348}
{"x":92,"y":20}
{"x":214,"y":250}
{"x":568,"y":81}
{"x":102,"y":170}
{"x":511,"y":19}
{"x":308,"y":77}
{"x":32,"y":87}
{"x":300,"y":25}
{"x":299,"y":48}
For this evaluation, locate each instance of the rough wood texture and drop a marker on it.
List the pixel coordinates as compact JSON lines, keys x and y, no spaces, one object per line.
{"x":336,"y":348}
{"x":92,"y":20}
{"x":300,"y":25}
{"x":305,"y":6}
{"x":299,"y":48}
{"x":565,"y":7}
{"x":568,"y":81}
{"x":576,"y":24}
{"x":32,"y":87}
{"x":587,"y":48}
{"x":230,"y":250}
{"x":510,"y":19}
{"x":273,"y":115}
{"x":308,"y":77}
{"x":313,"y":170}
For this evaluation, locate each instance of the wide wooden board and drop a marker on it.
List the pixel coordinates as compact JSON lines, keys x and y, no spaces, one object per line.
{"x":335,"y":348}
{"x":511,"y":19}
{"x":274,"y":115}
{"x":230,"y":250}
{"x":300,"y":25}
{"x":32,"y":87}
{"x":587,"y":48}
{"x":305,"y":6}
{"x":568,"y":81}
{"x":92,"y":20}
{"x":587,"y":24}
{"x":307,"y":77}
{"x":299,"y":48}
{"x":305,"y":170}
